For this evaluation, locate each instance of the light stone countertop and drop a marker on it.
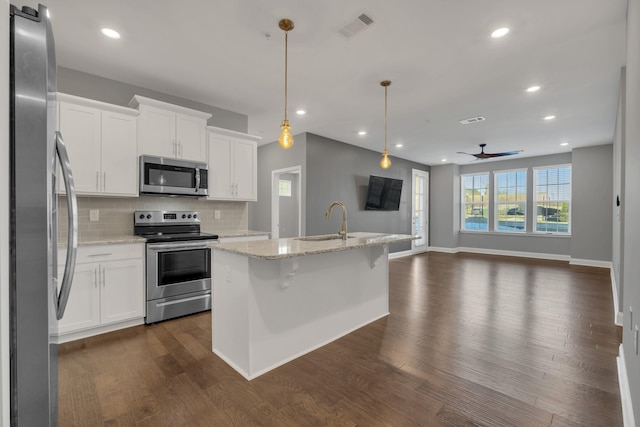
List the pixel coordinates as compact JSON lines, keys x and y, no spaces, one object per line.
{"x":294,"y":247}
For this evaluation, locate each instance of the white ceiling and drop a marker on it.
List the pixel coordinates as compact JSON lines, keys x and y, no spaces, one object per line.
{"x":443,"y":65}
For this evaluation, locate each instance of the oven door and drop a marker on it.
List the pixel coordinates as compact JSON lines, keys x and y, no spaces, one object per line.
{"x":178,"y":268}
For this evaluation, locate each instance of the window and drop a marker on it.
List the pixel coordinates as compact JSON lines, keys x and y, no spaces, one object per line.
{"x":511,"y":200}
{"x":475,"y":202}
{"x":284,"y":188}
{"x":552,"y":199}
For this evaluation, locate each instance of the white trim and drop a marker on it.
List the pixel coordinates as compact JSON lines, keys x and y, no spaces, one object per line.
{"x":617,"y":315}
{"x":625,"y":391}
{"x":234,"y":134}
{"x":402,"y":254}
{"x":590,"y":262}
{"x":72,"y":336}
{"x":443,"y":250}
{"x":536,"y":255}
{"x":92,"y":103}
{"x":424,"y":175}
{"x":137,"y":101}
{"x":507,"y":233}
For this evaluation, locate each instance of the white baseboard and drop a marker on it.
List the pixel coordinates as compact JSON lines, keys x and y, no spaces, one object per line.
{"x":444,"y":250}
{"x":625,"y":391}
{"x":86,"y":333}
{"x":400,"y":254}
{"x":590,"y":262}
{"x":617,"y":315}
{"x":536,"y":255}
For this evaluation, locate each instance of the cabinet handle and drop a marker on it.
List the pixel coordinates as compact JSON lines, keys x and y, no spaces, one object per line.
{"x":104,"y":181}
{"x":95,"y":278}
{"x":103,"y":280}
{"x":104,"y":254}
{"x":180,"y":148}
{"x":175,"y":149}
{"x":97,"y":181}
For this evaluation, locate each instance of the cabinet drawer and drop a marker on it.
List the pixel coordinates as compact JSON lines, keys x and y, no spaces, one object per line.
{"x":101,"y":253}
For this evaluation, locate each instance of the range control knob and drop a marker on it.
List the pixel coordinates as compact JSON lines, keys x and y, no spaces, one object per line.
{"x":189,"y":216}
{"x":148,"y":216}
{"x":184,"y":216}
{"x":195,"y":216}
{"x":141,"y":216}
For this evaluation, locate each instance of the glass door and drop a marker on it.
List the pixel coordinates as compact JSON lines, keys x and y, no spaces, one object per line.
{"x":420,"y":204}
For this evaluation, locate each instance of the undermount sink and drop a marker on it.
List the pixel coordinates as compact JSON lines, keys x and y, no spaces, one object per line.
{"x":321,"y":238}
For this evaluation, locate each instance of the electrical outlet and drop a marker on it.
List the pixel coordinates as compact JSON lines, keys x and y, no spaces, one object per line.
{"x":216,"y":214}
{"x":94,"y":215}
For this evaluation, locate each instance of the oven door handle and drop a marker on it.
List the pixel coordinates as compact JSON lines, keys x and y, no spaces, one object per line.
{"x":177,"y":246}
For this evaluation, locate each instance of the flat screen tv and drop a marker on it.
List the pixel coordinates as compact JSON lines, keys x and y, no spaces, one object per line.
{"x":383,"y":194}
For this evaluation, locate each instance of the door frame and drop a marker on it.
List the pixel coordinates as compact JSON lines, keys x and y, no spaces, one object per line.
{"x":275,"y":199}
{"x":420,"y":173}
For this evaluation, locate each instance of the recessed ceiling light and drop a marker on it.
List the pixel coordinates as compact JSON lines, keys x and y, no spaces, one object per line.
{"x":500,"y":32}
{"x":443,"y":160}
{"x":551,"y":117}
{"x":111,"y":33}
{"x":301,"y":112}
{"x":533,"y":89}
{"x":362,"y":132}
{"x":399,"y":145}
{"x":564,"y":144}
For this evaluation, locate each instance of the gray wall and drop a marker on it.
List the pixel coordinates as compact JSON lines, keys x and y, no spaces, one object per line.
{"x":339,"y":171}
{"x":591,"y":198}
{"x":333,"y":170}
{"x":631,"y":204}
{"x":617,"y":241}
{"x":444,"y":206}
{"x":99,"y":88}
{"x":271,"y":157}
{"x":289,"y":208}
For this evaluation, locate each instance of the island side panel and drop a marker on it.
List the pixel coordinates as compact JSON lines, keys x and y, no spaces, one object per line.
{"x":230,"y":310}
{"x":300,"y":304}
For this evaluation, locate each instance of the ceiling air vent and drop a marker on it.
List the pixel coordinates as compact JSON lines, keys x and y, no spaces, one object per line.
{"x":353,"y":27}
{"x":472,"y":120}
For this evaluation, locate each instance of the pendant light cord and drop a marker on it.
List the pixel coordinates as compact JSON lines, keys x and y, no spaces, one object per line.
{"x":286,"y":61}
{"x":385,"y":118}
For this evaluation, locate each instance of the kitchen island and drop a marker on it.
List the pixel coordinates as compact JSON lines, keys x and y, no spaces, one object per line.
{"x":275,"y":300}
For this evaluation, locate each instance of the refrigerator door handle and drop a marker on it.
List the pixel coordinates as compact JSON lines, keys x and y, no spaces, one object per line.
{"x":72,"y":241}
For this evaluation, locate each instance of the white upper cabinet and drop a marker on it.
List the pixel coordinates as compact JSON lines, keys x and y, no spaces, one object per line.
{"x":233,"y":167}
{"x":168,"y":130}
{"x":101,"y":140}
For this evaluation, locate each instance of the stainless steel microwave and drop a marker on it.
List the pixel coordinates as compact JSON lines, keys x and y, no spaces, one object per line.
{"x":172,"y":177}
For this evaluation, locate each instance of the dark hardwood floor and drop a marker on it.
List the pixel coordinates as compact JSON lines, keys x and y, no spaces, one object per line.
{"x":472,"y":340}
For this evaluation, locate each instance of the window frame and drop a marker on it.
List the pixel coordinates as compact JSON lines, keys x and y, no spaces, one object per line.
{"x":497,"y":203}
{"x":535,"y":201}
{"x":287,"y":183}
{"x":464,"y":203}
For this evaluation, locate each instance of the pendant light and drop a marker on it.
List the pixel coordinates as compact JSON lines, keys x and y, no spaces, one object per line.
{"x":286,"y":139}
{"x":385,"y":163}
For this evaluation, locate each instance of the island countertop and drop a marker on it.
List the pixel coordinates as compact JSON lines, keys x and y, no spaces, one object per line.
{"x":295,"y":247}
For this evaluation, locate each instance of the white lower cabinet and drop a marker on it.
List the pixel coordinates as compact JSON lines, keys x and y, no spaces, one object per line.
{"x":107,"y":291}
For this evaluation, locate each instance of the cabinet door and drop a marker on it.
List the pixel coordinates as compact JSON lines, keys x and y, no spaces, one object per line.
{"x":122,"y":292}
{"x":190,"y":134}
{"x":157,"y":132}
{"x":220,"y":167}
{"x":119,"y":154}
{"x":244,"y":170}
{"x":83,"y":307}
{"x":80,"y":128}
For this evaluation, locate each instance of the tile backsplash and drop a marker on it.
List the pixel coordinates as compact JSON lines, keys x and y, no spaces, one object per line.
{"x":116,"y":214}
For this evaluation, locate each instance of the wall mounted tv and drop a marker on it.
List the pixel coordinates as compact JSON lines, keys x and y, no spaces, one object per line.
{"x":383,"y":194}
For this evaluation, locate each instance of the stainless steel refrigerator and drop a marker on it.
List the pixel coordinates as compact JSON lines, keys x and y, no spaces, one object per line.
{"x":37,"y":298}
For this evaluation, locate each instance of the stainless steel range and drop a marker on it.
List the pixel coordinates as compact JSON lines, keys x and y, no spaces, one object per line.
{"x":178,"y":263}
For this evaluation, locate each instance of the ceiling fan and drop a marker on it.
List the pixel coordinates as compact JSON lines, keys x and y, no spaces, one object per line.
{"x":482,"y":155}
